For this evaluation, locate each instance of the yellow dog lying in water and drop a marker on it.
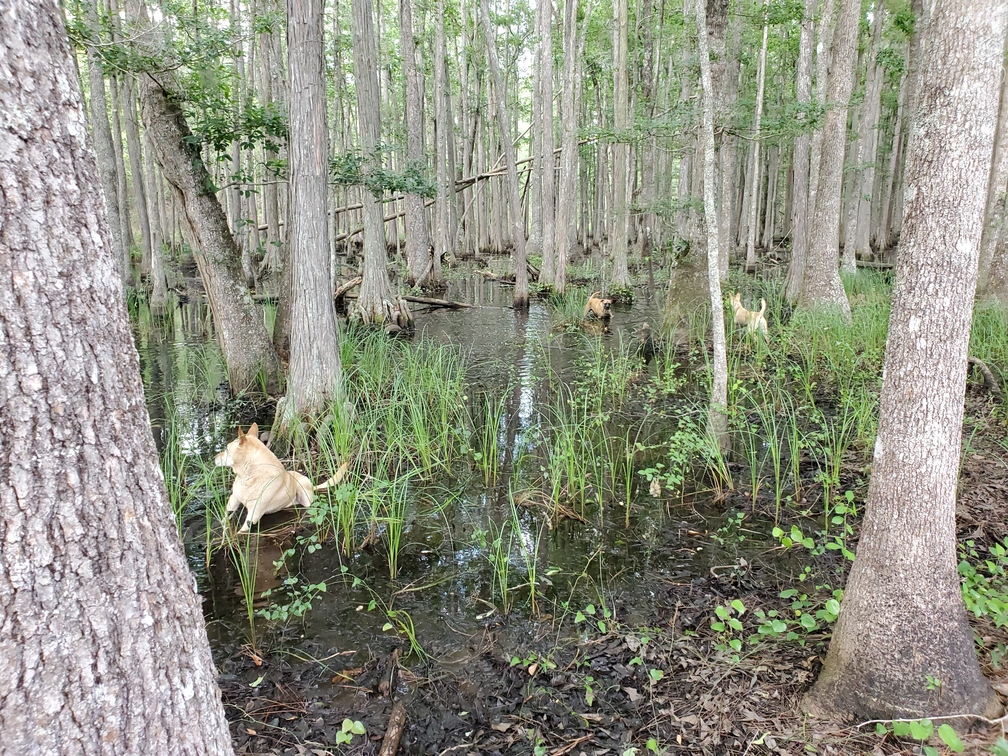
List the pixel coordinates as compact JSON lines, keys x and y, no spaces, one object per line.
{"x":262,"y":484}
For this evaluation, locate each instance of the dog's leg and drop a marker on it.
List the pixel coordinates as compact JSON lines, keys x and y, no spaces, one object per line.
{"x":233,"y":503}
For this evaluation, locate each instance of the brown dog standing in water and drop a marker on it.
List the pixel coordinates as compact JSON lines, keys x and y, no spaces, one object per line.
{"x":753,"y":320}
{"x":262,"y":484}
{"x":600,"y":306}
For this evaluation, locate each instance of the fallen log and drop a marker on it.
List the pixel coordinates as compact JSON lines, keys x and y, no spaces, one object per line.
{"x":344,"y":288}
{"x":428,"y":301}
{"x":990,"y":381}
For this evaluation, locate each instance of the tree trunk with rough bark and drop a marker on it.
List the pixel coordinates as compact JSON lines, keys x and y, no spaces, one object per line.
{"x":103,"y":145}
{"x":376,"y":303}
{"x":800,"y":203}
{"x":443,"y":245}
{"x":418,"y":242}
{"x":245,"y":344}
{"x":997,"y":198}
{"x":102,"y":643}
{"x":619,"y":236}
{"x":717,"y":413}
{"x":754,"y":171}
{"x":548,"y":201}
{"x":821,"y":285}
{"x":521,"y":294}
{"x":315,"y":377}
{"x":902,"y":620}
{"x":138,"y":183}
{"x":567,"y":196}
{"x":858,"y":237}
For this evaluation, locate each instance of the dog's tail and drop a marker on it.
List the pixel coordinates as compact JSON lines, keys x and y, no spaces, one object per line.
{"x":762,"y":307}
{"x":336,"y":479}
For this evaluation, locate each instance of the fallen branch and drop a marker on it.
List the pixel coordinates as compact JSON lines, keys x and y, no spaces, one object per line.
{"x":429,"y":301}
{"x":990,"y":381}
{"x":344,"y":288}
{"x":394,"y":731}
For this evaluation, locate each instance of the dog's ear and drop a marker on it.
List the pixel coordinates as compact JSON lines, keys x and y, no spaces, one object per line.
{"x":253,"y":431}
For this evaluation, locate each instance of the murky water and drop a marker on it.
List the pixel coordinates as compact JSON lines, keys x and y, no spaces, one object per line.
{"x":444,"y":579}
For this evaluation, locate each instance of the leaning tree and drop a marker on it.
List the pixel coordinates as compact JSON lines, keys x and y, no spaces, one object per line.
{"x":102,"y":643}
{"x":902,"y":619}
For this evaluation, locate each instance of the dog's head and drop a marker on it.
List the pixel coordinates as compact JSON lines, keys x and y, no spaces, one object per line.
{"x":233,"y":451}
{"x":735,"y":300}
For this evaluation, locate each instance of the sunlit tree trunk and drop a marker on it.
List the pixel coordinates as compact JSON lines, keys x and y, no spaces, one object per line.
{"x":800,"y":202}
{"x":619,"y":232}
{"x":521,"y":294}
{"x":443,"y":245}
{"x":548,"y":212}
{"x":821,"y":285}
{"x":248,"y":352}
{"x":418,"y":242}
{"x":902,"y":620}
{"x":754,"y":171}
{"x":857,"y":239}
{"x":717,"y":415}
{"x":102,"y":643}
{"x":315,"y":373}
{"x":824,"y":54}
{"x":567,"y":196}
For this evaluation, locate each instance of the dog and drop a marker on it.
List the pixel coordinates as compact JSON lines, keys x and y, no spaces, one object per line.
{"x":600,"y":306}
{"x":261,"y":483}
{"x":753,"y":320}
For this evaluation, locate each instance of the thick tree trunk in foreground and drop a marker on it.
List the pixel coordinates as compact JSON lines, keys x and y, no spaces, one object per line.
{"x":521,"y":294}
{"x":102,"y":644}
{"x":315,"y":371}
{"x":418,"y":242}
{"x":821,"y":285}
{"x":717,"y":414}
{"x":902,"y":617}
{"x":248,"y":351}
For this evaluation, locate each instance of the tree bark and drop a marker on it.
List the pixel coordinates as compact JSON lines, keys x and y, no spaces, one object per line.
{"x":619,"y":236}
{"x":102,"y":643}
{"x":754,"y":174}
{"x":521,"y":294}
{"x":821,"y":286}
{"x":315,"y":377}
{"x":566,"y":216}
{"x":902,"y":618}
{"x":857,"y":239}
{"x":103,"y":145}
{"x":717,"y":415}
{"x":997,"y":199}
{"x":800,"y":203}
{"x":137,"y":172}
{"x":442,"y":238}
{"x":548,"y":207}
{"x":245,"y":344}
{"x":376,"y":303}
{"x":418,"y":242}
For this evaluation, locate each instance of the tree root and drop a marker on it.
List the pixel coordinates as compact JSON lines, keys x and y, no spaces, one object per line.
{"x":990,"y":381}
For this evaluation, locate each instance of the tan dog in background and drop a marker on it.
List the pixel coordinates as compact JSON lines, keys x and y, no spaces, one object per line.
{"x":262,"y":484}
{"x":753,"y":320}
{"x":600,"y":306}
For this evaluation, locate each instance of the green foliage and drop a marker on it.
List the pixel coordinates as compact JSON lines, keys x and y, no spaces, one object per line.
{"x":356,"y":169}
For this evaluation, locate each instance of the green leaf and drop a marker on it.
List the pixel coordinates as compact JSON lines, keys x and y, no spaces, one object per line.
{"x":736,"y":644}
{"x":579,"y":617}
{"x":1000,"y":748}
{"x":921,"y":730}
{"x":881,"y":729}
{"x":949,"y":738}
{"x":833,"y":606}
{"x":901,"y":729}
{"x":738,"y":606}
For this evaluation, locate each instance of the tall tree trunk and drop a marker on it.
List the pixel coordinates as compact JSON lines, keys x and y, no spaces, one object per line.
{"x":800,"y":193}
{"x":824,"y":55}
{"x":821,"y":286}
{"x":122,"y":190}
{"x":725,"y":80}
{"x":857,"y":239}
{"x":618,"y":237}
{"x":754,"y":175}
{"x":442,"y":239}
{"x":159,"y":238}
{"x":717,"y":414}
{"x":245,"y":344}
{"x":904,"y":582}
{"x":376,"y":303}
{"x":882,"y":231}
{"x":102,"y":643}
{"x":315,"y":377}
{"x":548,"y":212}
{"x":567,"y":196}
{"x":418,"y":242}
{"x":137,"y":172}
{"x":521,"y":294}
{"x":103,"y":145}
{"x":273,"y":259}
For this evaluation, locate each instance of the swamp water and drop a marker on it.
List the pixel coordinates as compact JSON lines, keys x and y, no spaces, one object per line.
{"x":469,"y":548}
